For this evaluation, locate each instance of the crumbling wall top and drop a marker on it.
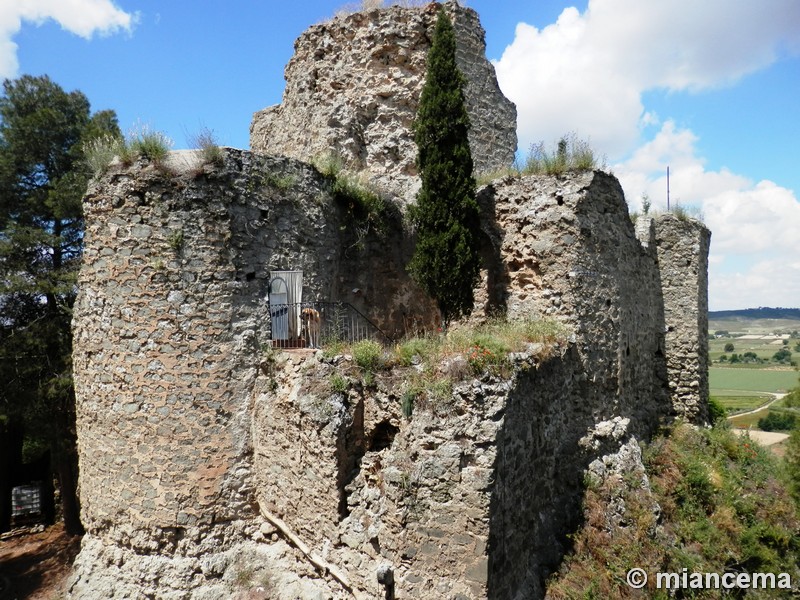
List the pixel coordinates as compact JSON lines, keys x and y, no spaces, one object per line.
{"x":353,"y":87}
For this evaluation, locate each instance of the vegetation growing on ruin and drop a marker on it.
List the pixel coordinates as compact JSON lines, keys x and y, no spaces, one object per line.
{"x":176,"y":240}
{"x":364,"y":5}
{"x":146,"y":143}
{"x":205,"y":141}
{"x":368,"y":355}
{"x":570,"y":155}
{"x":280,"y":181}
{"x":684,"y":213}
{"x":440,"y":360}
{"x":725,"y":506}
{"x":687,"y":213}
{"x":141,"y":142}
{"x":446,"y":260}
{"x":352,"y":191}
{"x":100,"y":152}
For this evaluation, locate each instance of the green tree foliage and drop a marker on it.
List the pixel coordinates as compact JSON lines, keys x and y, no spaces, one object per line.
{"x":729,"y":347}
{"x":716,"y":411}
{"x":775,"y":421}
{"x":446,"y":260}
{"x":43,"y":176}
{"x":783,"y":356}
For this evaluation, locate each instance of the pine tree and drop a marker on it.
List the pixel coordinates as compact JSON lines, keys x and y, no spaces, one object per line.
{"x":446,"y":261}
{"x":43,"y":177}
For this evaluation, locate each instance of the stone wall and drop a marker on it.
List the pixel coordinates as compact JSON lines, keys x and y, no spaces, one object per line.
{"x":173,"y":294}
{"x":472,"y":496}
{"x":168,"y":326}
{"x":353,"y":87}
{"x":682,"y":246}
{"x":565,"y":248}
{"x":408,"y":494}
{"x":185,"y":418}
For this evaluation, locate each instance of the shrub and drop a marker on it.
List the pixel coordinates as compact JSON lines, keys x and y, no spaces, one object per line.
{"x":571,"y":154}
{"x":358,"y":197}
{"x":782,"y":355}
{"x":750,"y":357}
{"x":646,"y":204}
{"x":350,"y":190}
{"x":729,"y":347}
{"x":206,"y":142}
{"x":716,"y":411}
{"x":101,"y":151}
{"x":487,"y":353}
{"x":792,"y":463}
{"x":792,"y":400}
{"x":775,"y":421}
{"x":329,"y":164}
{"x":150,"y":145}
{"x":420,"y":348}
{"x":716,"y":502}
{"x":339,"y":384}
{"x":367,"y":354}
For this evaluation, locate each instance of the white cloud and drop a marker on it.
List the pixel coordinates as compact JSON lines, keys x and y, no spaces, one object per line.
{"x":754,"y":225}
{"x":587,"y":72}
{"x":645,"y":172}
{"x":81,"y":17}
{"x":767,"y":283}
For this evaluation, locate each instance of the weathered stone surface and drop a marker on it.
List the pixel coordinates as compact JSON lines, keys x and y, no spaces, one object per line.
{"x":637,"y":298}
{"x":472,"y":497}
{"x":353,"y":87}
{"x":185,"y":427}
{"x":682,"y":249}
{"x":167,"y":334}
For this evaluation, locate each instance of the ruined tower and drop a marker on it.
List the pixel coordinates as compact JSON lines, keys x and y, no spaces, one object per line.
{"x":213,"y":467}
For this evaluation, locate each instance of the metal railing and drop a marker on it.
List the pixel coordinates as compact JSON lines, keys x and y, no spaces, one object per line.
{"x":316,"y":324}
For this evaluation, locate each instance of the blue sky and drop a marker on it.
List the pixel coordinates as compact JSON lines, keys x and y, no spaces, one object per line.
{"x":710,"y":88}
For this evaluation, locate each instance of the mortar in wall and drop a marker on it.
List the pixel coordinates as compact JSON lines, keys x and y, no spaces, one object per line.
{"x":174,"y":415}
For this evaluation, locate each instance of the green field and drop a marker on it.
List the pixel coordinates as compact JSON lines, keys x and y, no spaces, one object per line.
{"x":750,"y":421}
{"x":746,"y":386}
{"x":724,"y":380}
{"x":762,"y":349}
{"x":741,"y":402}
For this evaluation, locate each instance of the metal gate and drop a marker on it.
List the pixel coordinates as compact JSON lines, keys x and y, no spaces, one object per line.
{"x":285,"y":296}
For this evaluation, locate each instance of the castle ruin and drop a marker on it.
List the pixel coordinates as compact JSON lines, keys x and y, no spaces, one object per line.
{"x":210,"y":471}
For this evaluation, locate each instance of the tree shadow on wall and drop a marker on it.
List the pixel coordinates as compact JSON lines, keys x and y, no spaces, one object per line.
{"x":497,"y":277}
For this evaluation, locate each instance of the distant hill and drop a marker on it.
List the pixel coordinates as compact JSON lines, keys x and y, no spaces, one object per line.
{"x":762,"y":312}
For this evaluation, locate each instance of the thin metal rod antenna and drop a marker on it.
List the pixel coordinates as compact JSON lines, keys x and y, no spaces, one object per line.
{"x":667,"y":188}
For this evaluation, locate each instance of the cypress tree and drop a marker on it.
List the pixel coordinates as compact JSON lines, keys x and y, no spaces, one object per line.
{"x":446,"y":261}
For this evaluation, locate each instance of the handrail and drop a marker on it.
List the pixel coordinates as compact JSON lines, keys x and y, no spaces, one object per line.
{"x":313,"y":324}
